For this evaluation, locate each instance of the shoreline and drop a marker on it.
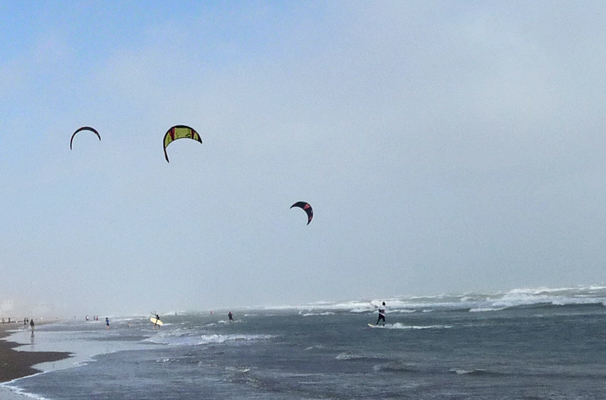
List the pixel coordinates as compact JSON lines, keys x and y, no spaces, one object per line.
{"x":19,"y":364}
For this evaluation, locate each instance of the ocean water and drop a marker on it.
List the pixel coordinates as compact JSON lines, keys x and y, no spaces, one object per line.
{"x":522,"y":344}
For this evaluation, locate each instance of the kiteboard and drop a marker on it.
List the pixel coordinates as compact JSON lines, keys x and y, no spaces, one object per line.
{"x":156,"y":321}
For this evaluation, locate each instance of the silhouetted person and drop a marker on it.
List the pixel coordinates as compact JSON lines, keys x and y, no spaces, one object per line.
{"x":381,"y":313}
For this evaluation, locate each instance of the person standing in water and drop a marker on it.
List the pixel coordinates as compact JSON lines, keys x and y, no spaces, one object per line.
{"x":381,"y":312}
{"x":106,"y":323}
{"x":231,"y":316}
{"x":157,"y":320}
{"x":32,"y":325}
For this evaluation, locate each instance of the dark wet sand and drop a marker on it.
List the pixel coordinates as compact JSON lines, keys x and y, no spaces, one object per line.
{"x":17,"y":364}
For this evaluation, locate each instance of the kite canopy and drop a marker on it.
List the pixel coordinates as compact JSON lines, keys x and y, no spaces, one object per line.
{"x":179,"y":132}
{"x":307,"y":208}
{"x":84,"y":128}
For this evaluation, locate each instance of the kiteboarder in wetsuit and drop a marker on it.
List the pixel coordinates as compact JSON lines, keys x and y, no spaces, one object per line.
{"x":231,"y":316}
{"x":381,"y":312}
{"x":157,"y":320}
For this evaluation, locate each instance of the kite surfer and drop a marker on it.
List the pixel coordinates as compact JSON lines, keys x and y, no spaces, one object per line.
{"x":231,"y":316}
{"x":381,"y":309}
{"x":156,"y":321}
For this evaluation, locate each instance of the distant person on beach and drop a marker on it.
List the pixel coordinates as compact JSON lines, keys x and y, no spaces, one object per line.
{"x":231,"y":316}
{"x":381,"y":312}
{"x":32,"y":325}
{"x":106,"y":323}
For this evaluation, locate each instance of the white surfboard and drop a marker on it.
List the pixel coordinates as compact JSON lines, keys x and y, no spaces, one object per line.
{"x":156,"y":321}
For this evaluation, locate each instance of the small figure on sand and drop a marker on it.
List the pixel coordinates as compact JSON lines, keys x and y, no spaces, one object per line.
{"x":106,"y":323}
{"x":381,"y":312}
{"x":32,"y":325}
{"x":230,"y":316}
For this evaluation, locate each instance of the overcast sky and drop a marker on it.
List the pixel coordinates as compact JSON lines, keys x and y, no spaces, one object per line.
{"x":445,"y":147}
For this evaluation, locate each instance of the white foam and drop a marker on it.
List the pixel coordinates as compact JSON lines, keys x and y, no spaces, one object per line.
{"x":10,"y":392}
{"x":348,"y":356}
{"x":210,"y":339}
{"x":78,"y":343}
{"x":476,"y":301}
{"x":487,"y":309}
{"x":462,"y":371}
{"x":402,"y":326}
{"x":317,"y":314}
{"x":182,"y":337}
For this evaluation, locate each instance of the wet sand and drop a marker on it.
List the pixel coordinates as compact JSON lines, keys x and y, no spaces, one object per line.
{"x":18,"y":364}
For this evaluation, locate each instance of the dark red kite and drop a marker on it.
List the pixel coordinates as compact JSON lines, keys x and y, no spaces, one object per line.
{"x":307,"y":208}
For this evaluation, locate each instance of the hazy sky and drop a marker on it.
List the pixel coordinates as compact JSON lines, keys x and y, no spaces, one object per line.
{"x":445,"y":147}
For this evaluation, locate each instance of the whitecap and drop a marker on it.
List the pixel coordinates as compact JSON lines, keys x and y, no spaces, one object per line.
{"x":399,"y":325}
{"x":348,"y":356}
{"x":317,"y":314}
{"x":487,"y":309}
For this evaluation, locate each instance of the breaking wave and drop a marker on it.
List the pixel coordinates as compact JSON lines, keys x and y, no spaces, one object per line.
{"x":582,"y":296}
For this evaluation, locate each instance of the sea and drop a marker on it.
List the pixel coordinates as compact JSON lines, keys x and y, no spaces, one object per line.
{"x":520,"y":344}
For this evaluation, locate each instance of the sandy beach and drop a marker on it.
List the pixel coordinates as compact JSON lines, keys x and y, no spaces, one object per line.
{"x":18,"y":364}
